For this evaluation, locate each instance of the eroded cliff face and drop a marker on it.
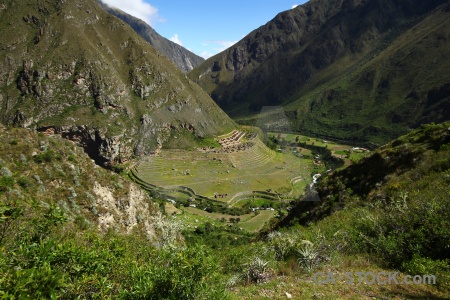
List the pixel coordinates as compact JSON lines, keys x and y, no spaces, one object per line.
{"x":53,"y":170}
{"x":74,"y":69}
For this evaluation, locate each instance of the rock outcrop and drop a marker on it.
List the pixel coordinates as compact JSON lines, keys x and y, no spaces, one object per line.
{"x":92,"y":78}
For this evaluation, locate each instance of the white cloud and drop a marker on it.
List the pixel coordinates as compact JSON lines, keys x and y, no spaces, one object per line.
{"x":294,"y":6}
{"x":220,"y":45}
{"x":206,"y":54}
{"x":225,"y":44}
{"x":138,"y":9}
{"x":175,"y":39}
{"x":212,"y":47}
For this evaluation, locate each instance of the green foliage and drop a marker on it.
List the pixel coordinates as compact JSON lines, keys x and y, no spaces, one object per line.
{"x":46,"y":156}
{"x":187,"y":273}
{"x":38,"y":283}
{"x":9,"y":212}
{"x":398,"y":232}
{"x":46,"y":260}
{"x":427,"y":266}
{"x":24,"y":182}
{"x":6,"y":183}
{"x":256,"y":270}
{"x":423,"y":266}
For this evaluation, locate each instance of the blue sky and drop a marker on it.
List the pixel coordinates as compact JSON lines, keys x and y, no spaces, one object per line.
{"x":205,"y":27}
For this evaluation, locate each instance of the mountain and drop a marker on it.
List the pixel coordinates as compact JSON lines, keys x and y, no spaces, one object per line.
{"x":417,"y":164}
{"x":363,"y":71}
{"x":71,"y":68}
{"x":184,"y":59}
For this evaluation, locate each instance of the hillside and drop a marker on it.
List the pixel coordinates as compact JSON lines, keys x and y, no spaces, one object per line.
{"x":73,"y":69}
{"x":52,"y":170}
{"x":362,"y":71}
{"x":63,"y":225}
{"x":184,"y":59}
{"x":415,"y":164}
{"x":71,"y":229}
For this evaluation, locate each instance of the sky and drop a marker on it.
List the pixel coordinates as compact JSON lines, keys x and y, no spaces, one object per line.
{"x":205,"y":27}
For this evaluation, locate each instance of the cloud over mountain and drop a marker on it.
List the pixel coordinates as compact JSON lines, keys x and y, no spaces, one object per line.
{"x":138,"y":8}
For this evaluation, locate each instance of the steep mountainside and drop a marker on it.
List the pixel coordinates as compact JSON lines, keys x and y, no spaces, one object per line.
{"x":353,"y":69}
{"x":184,"y":59}
{"x":71,"y":68}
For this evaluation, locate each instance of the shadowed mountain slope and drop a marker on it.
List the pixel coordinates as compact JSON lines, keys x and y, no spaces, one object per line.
{"x":363,"y":71}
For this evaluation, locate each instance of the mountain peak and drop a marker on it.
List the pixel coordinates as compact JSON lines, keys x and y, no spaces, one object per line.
{"x":184,"y":59}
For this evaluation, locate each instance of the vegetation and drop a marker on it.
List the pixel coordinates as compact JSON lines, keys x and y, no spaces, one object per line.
{"x":53,"y":247}
{"x":43,"y":256}
{"x":397,"y":220}
{"x":335,"y":80}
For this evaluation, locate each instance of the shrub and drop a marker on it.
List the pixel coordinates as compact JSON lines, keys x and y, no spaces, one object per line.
{"x":426,"y":266}
{"x":24,"y":182}
{"x":281,"y":244}
{"x":187,"y":273}
{"x":257,"y":270}
{"x":309,"y":255}
{"x":46,"y":156}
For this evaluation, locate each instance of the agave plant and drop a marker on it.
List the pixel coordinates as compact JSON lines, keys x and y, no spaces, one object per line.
{"x":281,"y":244}
{"x":308,"y":255}
{"x":257,"y":270}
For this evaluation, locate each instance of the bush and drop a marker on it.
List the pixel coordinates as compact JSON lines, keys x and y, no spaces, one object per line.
{"x":47,"y":156}
{"x":405,"y":228}
{"x":24,"y":182}
{"x":426,"y":266}
{"x":257,"y":270}
{"x":188,"y":273}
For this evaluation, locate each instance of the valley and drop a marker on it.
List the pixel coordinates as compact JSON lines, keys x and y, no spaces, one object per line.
{"x":239,"y":177}
{"x":132,"y":168}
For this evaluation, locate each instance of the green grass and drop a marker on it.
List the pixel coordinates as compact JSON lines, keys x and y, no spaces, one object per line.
{"x":214,"y":216}
{"x":256,"y":223}
{"x":210,"y":174}
{"x":256,"y":169}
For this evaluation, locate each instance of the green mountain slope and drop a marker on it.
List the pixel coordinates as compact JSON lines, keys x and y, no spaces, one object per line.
{"x":70,"y":229}
{"x":51,"y":170}
{"x":393,"y":205}
{"x":72,"y":68}
{"x":362,"y":71}
{"x":184,"y":59}
{"x":417,"y":164}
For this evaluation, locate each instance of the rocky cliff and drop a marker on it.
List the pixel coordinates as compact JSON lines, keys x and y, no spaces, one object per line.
{"x":354,"y":69}
{"x":71,"y":68}
{"x":184,"y":59}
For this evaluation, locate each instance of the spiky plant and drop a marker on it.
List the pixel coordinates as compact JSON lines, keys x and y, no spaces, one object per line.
{"x":257,"y":270}
{"x":309,"y":255}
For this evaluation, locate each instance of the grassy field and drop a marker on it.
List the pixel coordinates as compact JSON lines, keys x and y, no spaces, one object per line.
{"x":256,"y":223}
{"x":255,"y":169}
{"x":342,"y":151}
{"x":250,"y":178}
